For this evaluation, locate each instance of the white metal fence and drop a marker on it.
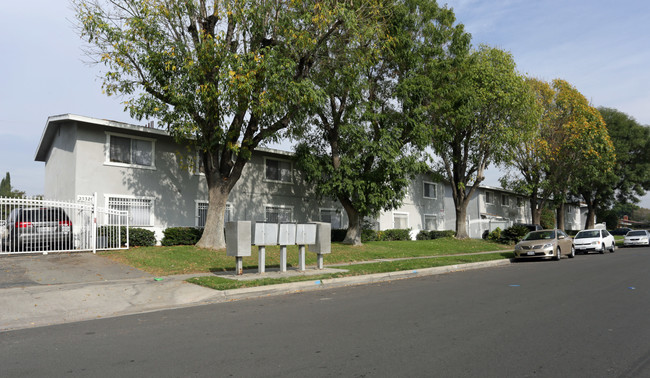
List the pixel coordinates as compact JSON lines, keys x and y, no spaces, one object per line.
{"x":31,"y":225}
{"x":476,"y":227}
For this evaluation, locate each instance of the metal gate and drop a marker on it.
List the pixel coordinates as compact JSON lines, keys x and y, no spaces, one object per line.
{"x":32,"y":225}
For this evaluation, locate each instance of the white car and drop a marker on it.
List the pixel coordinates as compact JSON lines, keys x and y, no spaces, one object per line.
{"x":637,"y":237}
{"x":596,"y":240}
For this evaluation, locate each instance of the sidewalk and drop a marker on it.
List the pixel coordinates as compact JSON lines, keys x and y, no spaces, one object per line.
{"x":37,"y":305}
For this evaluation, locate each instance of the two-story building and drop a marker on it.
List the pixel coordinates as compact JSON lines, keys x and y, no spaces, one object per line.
{"x":144,"y":170}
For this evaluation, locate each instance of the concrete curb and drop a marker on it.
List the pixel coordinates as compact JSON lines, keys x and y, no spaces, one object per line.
{"x":279,"y":289}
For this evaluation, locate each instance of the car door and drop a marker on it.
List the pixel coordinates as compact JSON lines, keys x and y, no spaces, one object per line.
{"x":608,"y":239}
{"x":564,"y":241}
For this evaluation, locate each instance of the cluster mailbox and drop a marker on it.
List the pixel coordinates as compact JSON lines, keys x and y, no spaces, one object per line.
{"x":306,"y":233}
{"x":287,"y":233}
{"x":264,"y":233}
{"x":239,"y":240}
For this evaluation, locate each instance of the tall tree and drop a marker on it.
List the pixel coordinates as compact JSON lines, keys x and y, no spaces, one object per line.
{"x":5,"y":186}
{"x":480,"y":112}
{"x":6,"y":190}
{"x":581,"y":153}
{"x":222,"y":76}
{"x":632,"y":145}
{"x":570,"y":149}
{"x":364,"y":140}
{"x":527,"y":172}
{"x":632,"y":171}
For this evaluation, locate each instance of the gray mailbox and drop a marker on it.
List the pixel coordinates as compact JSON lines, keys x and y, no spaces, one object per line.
{"x":323,"y":242}
{"x":264,"y":233}
{"x":287,"y":234}
{"x":305,"y":233}
{"x":238,"y":238}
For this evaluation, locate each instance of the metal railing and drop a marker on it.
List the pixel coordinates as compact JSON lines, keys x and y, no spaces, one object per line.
{"x":34,"y":225}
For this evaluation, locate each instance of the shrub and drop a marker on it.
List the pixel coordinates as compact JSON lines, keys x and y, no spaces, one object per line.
{"x":433,"y":234}
{"x":368,"y":235}
{"x":338,"y":235}
{"x":395,"y":234}
{"x":514,"y":234}
{"x":139,"y":237}
{"x":181,"y":236}
{"x":495,"y":235}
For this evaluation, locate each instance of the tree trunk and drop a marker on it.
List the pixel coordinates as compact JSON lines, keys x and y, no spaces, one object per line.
{"x":461,"y":221}
{"x":353,"y":235}
{"x":535,"y":210}
{"x":560,"y":216}
{"x":213,"y":233}
{"x":591,"y":216}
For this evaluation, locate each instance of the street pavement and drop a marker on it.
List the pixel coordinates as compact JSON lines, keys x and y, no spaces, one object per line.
{"x":41,"y":290}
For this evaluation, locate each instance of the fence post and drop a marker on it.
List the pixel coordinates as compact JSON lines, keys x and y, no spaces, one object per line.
{"x":128,"y":241}
{"x":93,"y":236}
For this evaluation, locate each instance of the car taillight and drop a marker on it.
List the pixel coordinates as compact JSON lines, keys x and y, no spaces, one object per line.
{"x":23,"y":224}
{"x":65,"y":223}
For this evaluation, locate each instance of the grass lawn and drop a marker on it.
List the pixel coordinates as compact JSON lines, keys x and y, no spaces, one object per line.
{"x":220,"y":283}
{"x":189,"y":259}
{"x":619,"y":240}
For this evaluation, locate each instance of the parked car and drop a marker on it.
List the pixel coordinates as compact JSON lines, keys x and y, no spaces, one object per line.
{"x":545,"y":244}
{"x":43,"y":228}
{"x":636,"y":237}
{"x":621,"y":231}
{"x":596,"y":240}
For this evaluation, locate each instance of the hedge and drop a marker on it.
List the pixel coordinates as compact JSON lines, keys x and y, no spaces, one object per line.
{"x":368,"y":235}
{"x":181,"y":236}
{"x":338,"y":234}
{"x":138,"y":237}
{"x":394,"y":234}
{"x":510,"y":235}
{"x":431,"y":235}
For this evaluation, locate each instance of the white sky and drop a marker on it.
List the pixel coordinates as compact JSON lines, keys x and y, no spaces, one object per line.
{"x":601,"y":47}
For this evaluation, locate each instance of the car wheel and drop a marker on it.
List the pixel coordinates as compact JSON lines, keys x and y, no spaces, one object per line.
{"x":613,"y":249}
{"x":573,"y":252}
{"x":602,"y":250}
{"x":558,"y":256}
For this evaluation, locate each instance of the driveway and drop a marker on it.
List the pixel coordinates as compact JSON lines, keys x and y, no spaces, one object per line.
{"x":62,"y":268}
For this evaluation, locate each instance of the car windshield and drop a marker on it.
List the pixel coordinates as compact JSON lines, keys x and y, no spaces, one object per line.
{"x":588,"y":234}
{"x":540,"y":235}
{"x":636,"y":233}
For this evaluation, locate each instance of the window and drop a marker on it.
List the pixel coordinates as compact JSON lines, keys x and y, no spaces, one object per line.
{"x":277,"y":170}
{"x":202,"y":213}
{"x":430,"y":190}
{"x":331,"y":216}
{"x":140,"y":210}
{"x":430,"y":222}
{"x":488,"y":197}
{"x":570,"y":209}
{"x":124,"y":150}
{"x":505,"y":201}
{"x":278,"y":214}
{"x":400,"y":220}
{"x":520,"y":202}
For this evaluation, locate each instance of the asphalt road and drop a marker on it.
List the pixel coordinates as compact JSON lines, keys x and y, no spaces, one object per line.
{"x":582,"y":317}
